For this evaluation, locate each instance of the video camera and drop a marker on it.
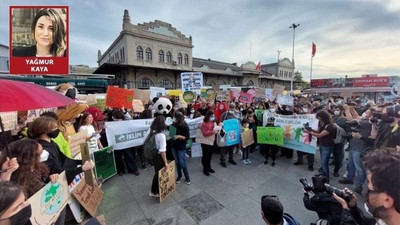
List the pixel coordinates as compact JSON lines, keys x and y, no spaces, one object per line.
{"x":319,"y":185}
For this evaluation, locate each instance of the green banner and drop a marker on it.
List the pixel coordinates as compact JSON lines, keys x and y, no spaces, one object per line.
{"x":270,"y":135}
{"x":259,"y":114}
{"x":104,"y":163}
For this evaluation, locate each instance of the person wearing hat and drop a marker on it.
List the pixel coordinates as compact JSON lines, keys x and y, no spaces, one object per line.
{"x":272,"y":212}
{"x":230,"y":114}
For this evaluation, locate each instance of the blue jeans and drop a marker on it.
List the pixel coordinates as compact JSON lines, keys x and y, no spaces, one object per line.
{"x":355,"y":165}
{"x":325,"y":153}
{"x":180,"y":161}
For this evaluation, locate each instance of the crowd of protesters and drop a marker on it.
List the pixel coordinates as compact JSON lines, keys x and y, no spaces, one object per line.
{"x":38,"y":154}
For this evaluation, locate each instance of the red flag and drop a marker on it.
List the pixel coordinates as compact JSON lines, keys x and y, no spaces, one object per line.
{"x":258,"y":67}
{"x":314,"y":49}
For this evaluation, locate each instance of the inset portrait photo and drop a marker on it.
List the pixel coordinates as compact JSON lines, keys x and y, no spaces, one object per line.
{"x":39,"y":39}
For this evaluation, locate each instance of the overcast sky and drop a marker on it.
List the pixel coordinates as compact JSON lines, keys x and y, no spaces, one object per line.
{"x":353,"y":37}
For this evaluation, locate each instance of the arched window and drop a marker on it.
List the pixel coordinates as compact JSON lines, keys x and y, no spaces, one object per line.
{"x":145,"y":83}
{"x":234,"y":84}
{"x":211,"y":83}
{"x":186,"y":59}
{"x":139,"y":52}
{"x":221,"y":82}
{"x":149,"y":54}
{"x":250,"y":83}
{"x":166,"y":83}
{"x":179,"y":58}
{"x":161,"y":56}
{"x":169,"y":57}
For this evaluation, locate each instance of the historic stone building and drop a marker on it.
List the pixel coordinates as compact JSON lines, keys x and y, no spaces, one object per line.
{"x":280,"y":73}
{"x":156,"y":53}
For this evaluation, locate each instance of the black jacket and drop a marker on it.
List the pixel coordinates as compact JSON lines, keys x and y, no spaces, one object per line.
{"x":184,"y":131}
{"x":354,"y":216}
{"x":325,"y":206}
{"x":57,"y":162}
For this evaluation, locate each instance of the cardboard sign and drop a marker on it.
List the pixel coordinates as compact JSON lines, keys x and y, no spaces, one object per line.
{"x":245,"y":98}
{"x":35,"y":113}
{"x":142,"y":95}
{"x":89,"y":196}
{"x":346,"y":94}
{"x":285,"y":100}
{"x":137,"y":106}
{"x":204,"y":140}
{"x":182,"y":103}
{"x":104,"y":162}
{"x":232,"y":130}
{"x":188,"y":96}
{"x":75,"y":142}
{"x":10,"y":120}
{"x":196,"y":150}
{"x":260,"y":93}
{"x":76,"y":209}
{"x":166,"y":181}
{"x":278,"y":90}
{"x":118,"y":97}
{"x":270,"y":135}
{"x":89,"y":179}
{"x":49,"y":201}
{"x":87,"y":99}
{"x":247,"y":138}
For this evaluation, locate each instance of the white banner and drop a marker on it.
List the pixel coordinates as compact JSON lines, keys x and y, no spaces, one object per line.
{"x":285,"y":100}
{"x":156,"y":92}
{"x":131,"y":133}
{"x":294,"y":137}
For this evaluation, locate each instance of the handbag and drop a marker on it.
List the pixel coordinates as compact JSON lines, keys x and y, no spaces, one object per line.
{"x":204,"y":140}
{"x":221,"y":136}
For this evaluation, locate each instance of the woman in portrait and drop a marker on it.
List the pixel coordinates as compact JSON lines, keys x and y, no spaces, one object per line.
{"x":49,"y":32}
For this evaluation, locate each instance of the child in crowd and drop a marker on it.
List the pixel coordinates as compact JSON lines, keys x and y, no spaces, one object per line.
{"x":270,"y":149}
{"x":245,"y":154}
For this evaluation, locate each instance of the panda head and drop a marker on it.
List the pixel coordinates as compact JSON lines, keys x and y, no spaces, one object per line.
{"x":162,"y":106}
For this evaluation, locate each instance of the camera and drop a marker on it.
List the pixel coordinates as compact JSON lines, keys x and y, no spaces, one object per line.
{"x":320,"y":185}
{"x":393,"y":111}
{"x":354,"y":126}
{"x":374,"y":120}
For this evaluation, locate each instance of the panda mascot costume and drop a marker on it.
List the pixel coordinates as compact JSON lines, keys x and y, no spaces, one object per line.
{"x":164,"y":107}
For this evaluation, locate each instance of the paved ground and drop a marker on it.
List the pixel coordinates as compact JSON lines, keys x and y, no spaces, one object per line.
{"x":230,"y":196}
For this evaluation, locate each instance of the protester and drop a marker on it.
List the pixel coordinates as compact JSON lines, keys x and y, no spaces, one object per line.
{"x":325,"y":134}
{"x":226,"y":116}
{"x":93,"y":135}
{"x":203,"y":108}
{"x":157,"y":128}
{"x":270,"y":149}
{"x":272,"y":212}
{"x":310,"y":157}
{"x":178,"y":145}
{"x":221,"y":108}
{"x":338,"y":151}
{"x":14,"y":209}
{"x":207,"y":129}
{"x":245,"y":153}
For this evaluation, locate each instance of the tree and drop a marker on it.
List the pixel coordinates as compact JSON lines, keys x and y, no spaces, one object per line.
{"x":298,"y":81}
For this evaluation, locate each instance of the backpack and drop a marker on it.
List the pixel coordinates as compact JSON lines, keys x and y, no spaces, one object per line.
{"x":340,"y":134}
{"x":150,"y":148}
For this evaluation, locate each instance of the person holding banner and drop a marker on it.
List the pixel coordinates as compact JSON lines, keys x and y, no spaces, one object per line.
{"x":178,"y":144}
{"x":326,"y":135}
{"x":310,"y":157}
{"x":207,"y":129}
{"x":230,"y":114}
{"x":160,"y":160}
{"x":86,"y":123}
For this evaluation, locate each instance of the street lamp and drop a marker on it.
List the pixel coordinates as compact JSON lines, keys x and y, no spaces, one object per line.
{"x":294,"y":26}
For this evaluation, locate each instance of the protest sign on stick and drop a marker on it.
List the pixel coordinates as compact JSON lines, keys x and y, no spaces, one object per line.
{"x":137,"y":106}
{"x":119,"y":97}
{"x":10,"y":120}
{"x":86,"y":157}
{"x":166,"y":181}
{"x":142,"y":95}
{"x":75,"y":142}
{"x":89,"y":196}
{"x":247,"y":138}
{"x":277,"y":90}
{"x":104,"y":162}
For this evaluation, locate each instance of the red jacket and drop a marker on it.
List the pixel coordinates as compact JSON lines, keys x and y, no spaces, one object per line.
{"x":207,"y":128}
{"x":218,"y":111}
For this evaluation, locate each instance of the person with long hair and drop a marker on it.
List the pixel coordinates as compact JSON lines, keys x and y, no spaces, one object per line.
{"x":178,"y":145}
{"x":326,"y":134}
{"x":14,"y":209}
{"x":43,"y":129}
{"x":49,"y":32}
{"x":207,"y":128}
{"x":160,"y":160}
{"x":32,"y":174}
{"x":86,"y":123}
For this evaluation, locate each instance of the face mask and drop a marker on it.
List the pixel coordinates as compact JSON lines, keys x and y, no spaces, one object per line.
{"x":44,"y":156}
{"x":339,"y":102}
{"x":221,"y":108}
{"x":272,"y":110}
{"x":287,"y":109}
{"x":212,"y":118}
{"x":337,"y":113}
{"x":305,"y":110}
{"x":54,"y":133}
{"x":246,"y":125}
{"x":231,"y":111}
{"x":176,"y":108}
{"x":22,"y":217}
{"x":191,"y":111}
{"x":364,"y":115}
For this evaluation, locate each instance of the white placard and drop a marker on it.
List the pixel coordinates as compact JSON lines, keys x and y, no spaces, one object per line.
{"x":192,"y":81}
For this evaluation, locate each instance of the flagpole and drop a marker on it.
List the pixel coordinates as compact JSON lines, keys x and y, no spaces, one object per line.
{"x":311,"y":68}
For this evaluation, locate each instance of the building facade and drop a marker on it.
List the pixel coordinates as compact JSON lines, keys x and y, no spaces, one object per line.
{"x":4,"y":58}
{"x":156,"y":53}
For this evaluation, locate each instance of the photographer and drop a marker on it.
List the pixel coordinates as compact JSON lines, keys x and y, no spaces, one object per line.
{"x":322,"y":202}
{"x":360,"y":140}
{"x":383,"y":196}
{"x":386,"y":130}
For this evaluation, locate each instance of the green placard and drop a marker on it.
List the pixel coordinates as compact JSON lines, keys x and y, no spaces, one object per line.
{"x":104,"y":163}
{"x":189,"y":143}
{"x":259,"y":114}
{"x":188,"y":96}
{"x":270,"y":135}
{"x":172,"y":131}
